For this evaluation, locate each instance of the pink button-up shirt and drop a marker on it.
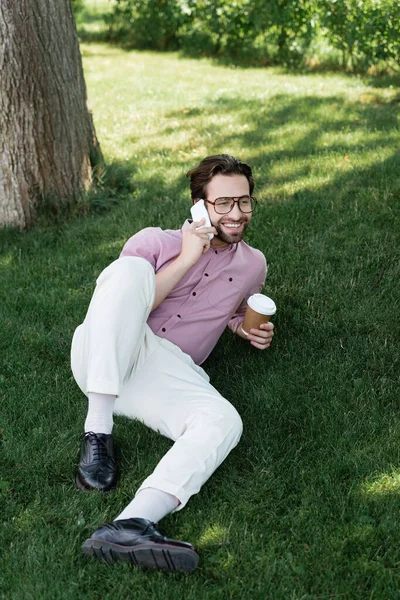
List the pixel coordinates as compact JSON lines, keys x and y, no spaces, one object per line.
{"x":212,"y":294}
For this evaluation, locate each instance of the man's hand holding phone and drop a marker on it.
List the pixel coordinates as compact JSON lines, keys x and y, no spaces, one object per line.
{"x":198,"y":212}
{"x":195,"y":242}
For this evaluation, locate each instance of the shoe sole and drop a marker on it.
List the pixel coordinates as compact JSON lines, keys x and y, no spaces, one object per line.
{"x":87,"y":489}
{"x":163,"y":557}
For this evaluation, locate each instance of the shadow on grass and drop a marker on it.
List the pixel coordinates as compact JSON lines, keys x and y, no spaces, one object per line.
{"x":314,"y":114}
{"x":262,"y":128}
{"x":113,"y":183}
{"x":92,"y":37}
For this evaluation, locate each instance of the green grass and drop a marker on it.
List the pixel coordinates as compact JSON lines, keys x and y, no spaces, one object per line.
{"x":308,"y":505}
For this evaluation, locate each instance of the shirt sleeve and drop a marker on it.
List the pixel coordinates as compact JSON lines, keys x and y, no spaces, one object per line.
{"x":255,"y":288}
{"x":144,"y":244}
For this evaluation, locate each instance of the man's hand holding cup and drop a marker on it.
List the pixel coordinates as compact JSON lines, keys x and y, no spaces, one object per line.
{"x":256,"y":326}
{"x":261,"y":338}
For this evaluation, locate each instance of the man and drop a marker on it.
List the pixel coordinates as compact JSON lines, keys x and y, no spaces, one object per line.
{"x":155,"y":316}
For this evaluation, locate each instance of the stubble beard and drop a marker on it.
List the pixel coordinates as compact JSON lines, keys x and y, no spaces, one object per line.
{"x":232,"y":238}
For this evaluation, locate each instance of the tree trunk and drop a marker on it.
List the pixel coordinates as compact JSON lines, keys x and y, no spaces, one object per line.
{"x":48,"y":144}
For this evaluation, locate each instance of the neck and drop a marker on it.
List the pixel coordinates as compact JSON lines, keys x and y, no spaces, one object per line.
{"x":217,"y":243}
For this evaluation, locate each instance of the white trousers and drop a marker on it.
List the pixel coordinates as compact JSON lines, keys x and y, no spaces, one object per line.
{"x":115,"y":352}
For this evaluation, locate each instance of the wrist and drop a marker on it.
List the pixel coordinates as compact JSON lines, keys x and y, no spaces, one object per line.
{"x":240,"y":333}
{"x":183,"y":263}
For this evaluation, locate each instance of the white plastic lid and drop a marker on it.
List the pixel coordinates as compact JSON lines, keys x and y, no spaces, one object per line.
{"x":262,"y":304}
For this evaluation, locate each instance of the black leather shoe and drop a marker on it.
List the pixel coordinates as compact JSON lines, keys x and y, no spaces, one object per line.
{"x":97,"y":467}
{"x":137,"y":541}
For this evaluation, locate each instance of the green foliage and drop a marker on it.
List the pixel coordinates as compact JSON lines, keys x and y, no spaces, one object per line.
{"x":146,"y":23}
{"x":366,"y":31}
{"x":218,"y":28}
{"x":77,"y":7}
{"x":113,"y":184}
{"x":277,"y":31}
{"x":286,"y":27}
{"x":262,"y":32}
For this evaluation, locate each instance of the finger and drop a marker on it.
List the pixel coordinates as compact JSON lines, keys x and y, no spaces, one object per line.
{"x":261,"y":333}
{"x":259,"y":346}
{"x":267,"y":326}
{"x":203,"y":236}
{"x":260,"y":336}
{"x":207,"y":230}
{"x":259,"y":340}
{"x":196,"y":224}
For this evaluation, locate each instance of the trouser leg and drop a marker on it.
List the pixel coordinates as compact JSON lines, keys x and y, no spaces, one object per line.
{"x":172,"y":395}
{"x":115,"y":352}
{"x":114,"y":338}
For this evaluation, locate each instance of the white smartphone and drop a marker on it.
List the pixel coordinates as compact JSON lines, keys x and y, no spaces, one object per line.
{"x":199,"y":212}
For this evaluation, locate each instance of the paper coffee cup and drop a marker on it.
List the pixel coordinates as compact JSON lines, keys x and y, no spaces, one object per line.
{"x":260,"y":309}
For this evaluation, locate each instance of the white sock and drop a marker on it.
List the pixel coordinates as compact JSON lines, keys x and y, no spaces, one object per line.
{"x":100,"y":413}
{"x":150,"y":504}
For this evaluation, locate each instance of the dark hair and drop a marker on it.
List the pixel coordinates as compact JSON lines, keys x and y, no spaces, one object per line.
{"x":210,"y":166}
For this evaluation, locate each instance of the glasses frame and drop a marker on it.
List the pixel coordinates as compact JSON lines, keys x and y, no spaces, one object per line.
{"x":233,"y":202}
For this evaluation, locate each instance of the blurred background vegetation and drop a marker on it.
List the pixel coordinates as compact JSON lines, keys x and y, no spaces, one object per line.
{"x":354,"y":35}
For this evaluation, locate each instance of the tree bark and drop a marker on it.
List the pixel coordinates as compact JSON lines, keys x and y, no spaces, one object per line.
{"x":48,"y":144}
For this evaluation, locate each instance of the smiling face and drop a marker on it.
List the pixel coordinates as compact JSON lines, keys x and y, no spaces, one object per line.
{"x":230,"y":227}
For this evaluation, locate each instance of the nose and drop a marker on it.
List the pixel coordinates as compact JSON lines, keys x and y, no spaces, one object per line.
{"x":236,"y":214}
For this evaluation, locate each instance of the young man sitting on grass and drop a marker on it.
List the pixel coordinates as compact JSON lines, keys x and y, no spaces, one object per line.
{"x":156,"y":314}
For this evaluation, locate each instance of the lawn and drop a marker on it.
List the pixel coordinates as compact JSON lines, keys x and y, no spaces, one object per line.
{"x":308,"y":504}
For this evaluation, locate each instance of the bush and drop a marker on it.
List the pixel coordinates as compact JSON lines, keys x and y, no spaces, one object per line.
{"x":149,"y":24}
{"x":219,"y":27}
{"x":366,"y":32}
{"x":77,"y":7}
{"x":287,"y":28}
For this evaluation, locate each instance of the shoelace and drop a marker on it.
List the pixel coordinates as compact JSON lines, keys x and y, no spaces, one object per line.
{"x":151,"y":524}
{"x":100,"y":450}
{"x":116,"y":525}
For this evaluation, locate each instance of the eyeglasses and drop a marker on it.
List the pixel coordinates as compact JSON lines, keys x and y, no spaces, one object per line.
{"x":223,"y":206}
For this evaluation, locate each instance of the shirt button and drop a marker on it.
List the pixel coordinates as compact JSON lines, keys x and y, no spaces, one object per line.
{"x":179,"y":316}
{"x":163,"y":329}
{"x":216,"y":251}
{"x":230,"y":279}
{"x":194,"y":293}
{"x":205,"y":274}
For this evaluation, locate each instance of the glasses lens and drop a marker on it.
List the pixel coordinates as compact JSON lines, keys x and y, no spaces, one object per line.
{"x":223,"y":205}
{"x":246,"y":204}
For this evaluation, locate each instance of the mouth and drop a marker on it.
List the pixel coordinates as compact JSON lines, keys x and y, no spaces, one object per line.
{"x":232,"y":227}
